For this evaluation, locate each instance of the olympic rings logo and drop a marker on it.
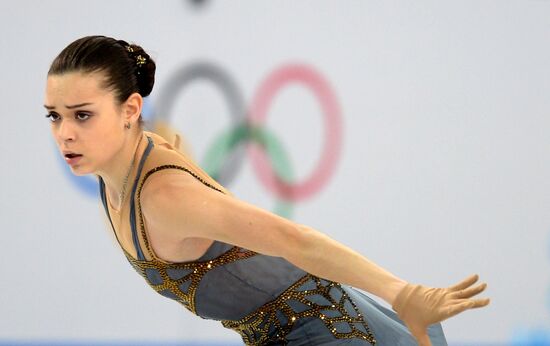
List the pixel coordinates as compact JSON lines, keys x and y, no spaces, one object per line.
{"x":248,"y":135}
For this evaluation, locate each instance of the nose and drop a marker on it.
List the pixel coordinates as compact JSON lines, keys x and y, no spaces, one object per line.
{"x":66,"y":131}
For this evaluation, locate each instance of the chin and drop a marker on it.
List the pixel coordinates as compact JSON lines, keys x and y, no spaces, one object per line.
{"x":81,"y":171}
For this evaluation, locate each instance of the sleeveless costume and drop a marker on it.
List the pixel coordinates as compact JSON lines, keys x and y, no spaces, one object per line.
{"x":265,"y":299}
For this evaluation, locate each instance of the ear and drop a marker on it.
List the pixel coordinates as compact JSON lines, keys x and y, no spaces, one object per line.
{"x":132,"y":108}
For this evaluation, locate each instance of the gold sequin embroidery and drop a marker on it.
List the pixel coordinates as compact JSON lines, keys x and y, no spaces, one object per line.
{"x":272,"y":322}
{"x":179,"y":281}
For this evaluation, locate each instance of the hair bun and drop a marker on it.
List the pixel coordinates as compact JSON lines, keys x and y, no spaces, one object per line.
{"x":127,"y":67}
{"x":145,"y":69}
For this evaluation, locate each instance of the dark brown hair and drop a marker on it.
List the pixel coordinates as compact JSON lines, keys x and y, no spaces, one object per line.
{"x":127,"y":67}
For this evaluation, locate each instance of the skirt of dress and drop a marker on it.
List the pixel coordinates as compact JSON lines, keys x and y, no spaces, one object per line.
{"x":384,"y":324}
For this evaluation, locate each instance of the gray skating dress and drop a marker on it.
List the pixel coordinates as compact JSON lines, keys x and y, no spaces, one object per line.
{"x":265,"y":299}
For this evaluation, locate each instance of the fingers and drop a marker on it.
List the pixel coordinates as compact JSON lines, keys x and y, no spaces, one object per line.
{"x":457,"y":308}
{"x":469,"y":281}
{"x":469,"y":292}
{"x":479,"y":303}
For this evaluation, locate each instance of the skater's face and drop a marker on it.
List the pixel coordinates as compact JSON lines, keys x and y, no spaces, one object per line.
{"x":85,"y":119}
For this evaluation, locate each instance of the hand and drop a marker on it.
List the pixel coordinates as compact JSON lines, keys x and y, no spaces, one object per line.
{"x":419,"y":306}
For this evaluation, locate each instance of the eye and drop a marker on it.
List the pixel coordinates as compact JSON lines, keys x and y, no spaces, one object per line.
{"x":53,"y":117}
{"x":82,"y":116}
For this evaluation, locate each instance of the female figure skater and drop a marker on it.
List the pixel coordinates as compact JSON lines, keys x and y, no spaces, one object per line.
{"x":271,"y":280}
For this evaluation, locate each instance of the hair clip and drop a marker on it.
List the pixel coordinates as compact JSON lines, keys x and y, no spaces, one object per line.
{"x":140,"y":60}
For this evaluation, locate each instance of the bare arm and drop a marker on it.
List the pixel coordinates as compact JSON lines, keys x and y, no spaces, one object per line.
{"x":177,"y":206}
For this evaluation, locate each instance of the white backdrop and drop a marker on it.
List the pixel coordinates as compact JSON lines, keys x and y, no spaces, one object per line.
{"x":443,"y":170}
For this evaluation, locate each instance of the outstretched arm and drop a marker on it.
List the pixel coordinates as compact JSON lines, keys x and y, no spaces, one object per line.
{"x":177,"y":207}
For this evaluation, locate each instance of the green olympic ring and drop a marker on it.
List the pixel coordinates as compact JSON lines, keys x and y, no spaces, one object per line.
{"x":228,"y":141}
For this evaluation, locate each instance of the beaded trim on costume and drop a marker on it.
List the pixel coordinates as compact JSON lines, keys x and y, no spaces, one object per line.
{"x":308,"y":297}
{"x":179,"y":281}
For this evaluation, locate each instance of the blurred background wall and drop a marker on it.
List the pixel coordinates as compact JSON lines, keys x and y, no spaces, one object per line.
{"x":417,"y":132}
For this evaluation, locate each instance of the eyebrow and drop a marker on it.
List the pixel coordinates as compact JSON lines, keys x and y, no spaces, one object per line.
{"x":71,"y":106}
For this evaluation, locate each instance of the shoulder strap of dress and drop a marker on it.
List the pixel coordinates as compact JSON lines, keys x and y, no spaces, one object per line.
{"x":135,"y":239}
{"x":104,"y":201}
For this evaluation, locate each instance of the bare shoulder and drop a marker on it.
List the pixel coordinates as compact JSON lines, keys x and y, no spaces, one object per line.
{"x":163,"y":186}
{"x":178,"y":206}
{"x":162,"y":205}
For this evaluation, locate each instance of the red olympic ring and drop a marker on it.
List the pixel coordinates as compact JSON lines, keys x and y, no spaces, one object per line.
{"x":333,"y":131}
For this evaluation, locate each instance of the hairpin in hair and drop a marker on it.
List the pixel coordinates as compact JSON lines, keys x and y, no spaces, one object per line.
{"x":140,"y":59}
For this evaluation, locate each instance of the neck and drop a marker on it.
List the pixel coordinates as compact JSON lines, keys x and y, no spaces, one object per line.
{"x":115,"y":175}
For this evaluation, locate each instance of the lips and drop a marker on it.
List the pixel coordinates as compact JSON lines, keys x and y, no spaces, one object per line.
{"x":72,"y":158}
{"x":72,"y":155}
